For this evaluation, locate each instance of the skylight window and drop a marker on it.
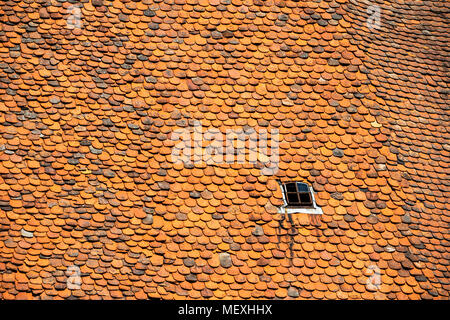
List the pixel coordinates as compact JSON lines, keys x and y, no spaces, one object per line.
{"x":298,"y":197}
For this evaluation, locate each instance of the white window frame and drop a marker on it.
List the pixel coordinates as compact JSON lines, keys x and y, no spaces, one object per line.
{"x":284,"y":209}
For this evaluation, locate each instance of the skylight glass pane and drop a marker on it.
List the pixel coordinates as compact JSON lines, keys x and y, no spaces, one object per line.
{"x":292,"y":198}
{"x":290,"y":187}
{"x":302,"y":187}
{"x":305,"y":198}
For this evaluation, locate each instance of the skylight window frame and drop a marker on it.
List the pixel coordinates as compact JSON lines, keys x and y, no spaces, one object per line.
{"x":289,"y":208}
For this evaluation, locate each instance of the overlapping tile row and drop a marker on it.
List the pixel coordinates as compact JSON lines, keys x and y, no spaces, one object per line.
{"x":86,"y":176}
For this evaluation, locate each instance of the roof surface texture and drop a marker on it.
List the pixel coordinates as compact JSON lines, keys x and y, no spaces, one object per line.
{"x":88,"y":189}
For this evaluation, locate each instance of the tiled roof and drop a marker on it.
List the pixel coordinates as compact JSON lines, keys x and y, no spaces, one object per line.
{"x":87,"y":113}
